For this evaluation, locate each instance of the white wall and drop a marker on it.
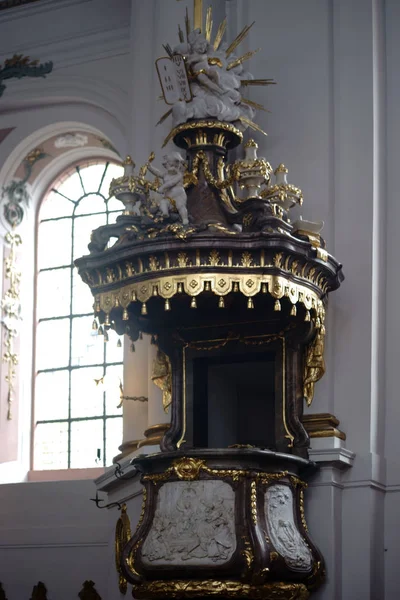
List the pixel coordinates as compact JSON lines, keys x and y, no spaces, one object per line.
{"x":52,"y":532}
{"x":335,"y":124}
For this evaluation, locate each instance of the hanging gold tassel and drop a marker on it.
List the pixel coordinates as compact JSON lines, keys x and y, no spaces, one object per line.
{"x":167,"y":305}
{"x":119,"y":343}
{"x":307,"y":318}
{"x":277,"y":306}
{"x":125,"y":315}
{"x":95,"y":325}
{"x":264,"y":288}
{"x":144,"y":309}
{"x":250,"y":303}
{"x":293,"y":311}
{"x":221,"y":302}
{"x":193,"y":303}
{"x":132,"y":347}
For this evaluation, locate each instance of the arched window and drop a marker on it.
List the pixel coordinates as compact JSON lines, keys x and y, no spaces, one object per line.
{"x":77,"y":420}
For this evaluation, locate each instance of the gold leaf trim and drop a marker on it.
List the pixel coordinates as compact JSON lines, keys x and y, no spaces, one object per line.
{"x":276,"y":590}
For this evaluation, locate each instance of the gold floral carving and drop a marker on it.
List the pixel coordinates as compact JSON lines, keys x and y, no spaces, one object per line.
{"x":314,"y":367}
{"x":154,"y":264}
{"x":122,"y":536}
{"x":143,"y":510}
{"x":214,"y":258}
{"x":302,"y":513}
{"x":246,"y":260}
{"x":162,"y":377}
{"x":247,"y":553}
{"x":189,"y":468}
{"x":276,"y":590}
{"x":182,"y":259}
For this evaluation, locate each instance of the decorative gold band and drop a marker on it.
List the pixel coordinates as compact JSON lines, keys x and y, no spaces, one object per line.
{"x":322,"y":425}
{"x":194,"y":126}
{"x":221,"y":283}
{"x":227,"y":589}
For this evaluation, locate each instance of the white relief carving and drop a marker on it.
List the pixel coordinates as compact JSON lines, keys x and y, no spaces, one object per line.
{"x":282,"y":529}
{"x":71,"y":140}
{"x":193,"y":524}
{"x":215,"y":87}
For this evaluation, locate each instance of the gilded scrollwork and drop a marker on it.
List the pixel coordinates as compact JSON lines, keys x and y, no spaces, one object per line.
{"x":122,"y":536}
{"x":302,"y":513}
{"x":220,"y":588}
{"x":162,"y":377}
{"x":314,"y":365}
{"x":189,"y":468}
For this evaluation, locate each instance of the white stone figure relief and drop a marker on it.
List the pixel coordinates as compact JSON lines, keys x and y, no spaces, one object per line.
{"x":193,"y":524}
{"x":282,"y":530}
{"x":172,"y":189}
{"x":71,"y":140}
{"x":215,"y":87}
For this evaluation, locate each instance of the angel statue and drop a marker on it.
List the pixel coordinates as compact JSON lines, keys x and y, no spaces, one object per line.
{"x":172,"y":189}
{"x":215,"y":84}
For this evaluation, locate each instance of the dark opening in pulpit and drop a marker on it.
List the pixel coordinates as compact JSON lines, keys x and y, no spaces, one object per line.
{"x":234,"y":400}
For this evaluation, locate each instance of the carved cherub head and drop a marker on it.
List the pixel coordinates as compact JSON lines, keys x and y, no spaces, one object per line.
{"x":173,"y":163}
{"x":198,"y":43}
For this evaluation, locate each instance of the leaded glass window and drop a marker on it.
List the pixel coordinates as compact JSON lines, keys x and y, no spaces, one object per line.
{"x":77,"y":422}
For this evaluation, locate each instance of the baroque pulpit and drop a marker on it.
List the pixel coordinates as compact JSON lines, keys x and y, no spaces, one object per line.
{"x":207,"y":260}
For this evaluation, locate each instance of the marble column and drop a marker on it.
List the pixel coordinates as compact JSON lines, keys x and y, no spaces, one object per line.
{"x":135,"y":407}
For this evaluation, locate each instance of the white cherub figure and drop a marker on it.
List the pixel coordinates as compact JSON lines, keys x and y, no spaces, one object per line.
{"x":172,"y":187}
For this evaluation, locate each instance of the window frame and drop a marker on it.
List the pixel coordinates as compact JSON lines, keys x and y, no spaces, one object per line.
{"x":36,"y":474}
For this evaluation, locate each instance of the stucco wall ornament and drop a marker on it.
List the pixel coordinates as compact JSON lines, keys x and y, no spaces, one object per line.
{"x":15,"y":195}
{"x":14,"y":199}
{"x":71,"y":140}
{"x":11,"y":307}
{"x":19,"y":66}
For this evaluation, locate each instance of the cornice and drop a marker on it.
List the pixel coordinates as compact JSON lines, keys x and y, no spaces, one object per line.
{"x":28,"y":8}
{"x":76,"y":49}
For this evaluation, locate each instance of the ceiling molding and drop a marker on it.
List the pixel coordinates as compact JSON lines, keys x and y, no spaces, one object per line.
{"x":18,"y":9}
{"x":78,"y":49}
